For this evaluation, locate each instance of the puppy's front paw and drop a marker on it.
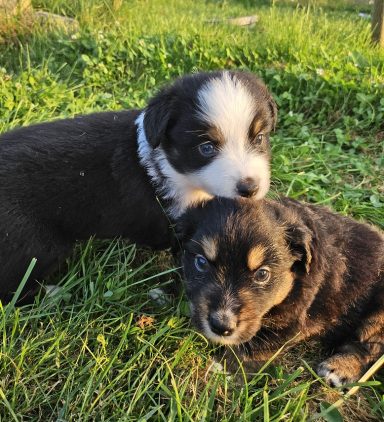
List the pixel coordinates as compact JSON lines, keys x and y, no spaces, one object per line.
{"x":159,"y":296}
{"x":340,"y":369}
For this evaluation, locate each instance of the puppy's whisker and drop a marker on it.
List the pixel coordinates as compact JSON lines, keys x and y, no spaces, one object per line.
{"x":195,"y":131}
{"x":197,"y":242}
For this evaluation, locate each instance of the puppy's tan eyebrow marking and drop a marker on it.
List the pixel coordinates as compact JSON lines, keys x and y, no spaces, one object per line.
{"x":259,"y":124}
{"x":255,"y":257}
{"x":215,"y":134}
{"x":210,"y":247}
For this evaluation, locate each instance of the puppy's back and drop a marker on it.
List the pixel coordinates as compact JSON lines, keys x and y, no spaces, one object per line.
{"x":67,"y":170}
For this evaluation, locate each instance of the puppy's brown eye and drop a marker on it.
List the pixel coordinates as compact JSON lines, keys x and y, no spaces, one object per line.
{"x":201,"y":263}
{"x":262,"y":275}
{"x":259,"y":138}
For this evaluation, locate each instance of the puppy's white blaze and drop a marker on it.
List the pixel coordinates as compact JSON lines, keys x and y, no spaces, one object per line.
{"x":226,"y":103}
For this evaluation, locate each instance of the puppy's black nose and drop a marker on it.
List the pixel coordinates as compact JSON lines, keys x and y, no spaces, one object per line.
{"x":247,"y":187}
{"x":220,"y":326}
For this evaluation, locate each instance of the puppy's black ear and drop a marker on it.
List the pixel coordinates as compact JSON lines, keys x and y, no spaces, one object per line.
{"x":185,"y":226}
{"x":157,"y":117}
{"x":299,"y":239}
{"x":189,"y":222}
{"x":273,"y":109}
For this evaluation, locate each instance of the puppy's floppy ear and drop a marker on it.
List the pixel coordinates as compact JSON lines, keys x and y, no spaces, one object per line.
{"x":189,"y":222}
{"x":157,"y":117}
{"x":186,"y":226}
{"x":299,"y":239}
{"x":273,"y":109}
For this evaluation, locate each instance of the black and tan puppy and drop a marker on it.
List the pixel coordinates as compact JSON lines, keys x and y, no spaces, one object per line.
{"x":113,"y":174}
{"x":259,"y":273}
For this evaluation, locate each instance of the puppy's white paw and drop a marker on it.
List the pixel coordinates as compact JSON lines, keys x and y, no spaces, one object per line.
{"x":52,"y":290}
{"x":341,"y":369}
{"x":159,"y":297}
{"x":331,"y":378}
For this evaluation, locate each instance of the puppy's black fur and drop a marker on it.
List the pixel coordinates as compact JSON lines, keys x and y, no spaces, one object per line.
{"x":258,"y":274}
{"x":116,"y":174}
{"x":69,"y":180}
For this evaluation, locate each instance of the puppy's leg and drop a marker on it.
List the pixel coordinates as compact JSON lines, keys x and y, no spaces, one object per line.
{"x":43,"y":244}
{"x":353,"y":359}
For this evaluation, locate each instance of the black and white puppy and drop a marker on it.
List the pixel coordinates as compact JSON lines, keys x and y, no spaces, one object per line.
{"x":129,"y":173}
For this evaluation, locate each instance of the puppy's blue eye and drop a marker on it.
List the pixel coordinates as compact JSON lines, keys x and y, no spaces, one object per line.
{"x":207,"y":149}
{"x":201,"y":263}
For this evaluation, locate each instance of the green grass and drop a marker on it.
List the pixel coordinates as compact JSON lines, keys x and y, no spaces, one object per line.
{"x":101,"y":350}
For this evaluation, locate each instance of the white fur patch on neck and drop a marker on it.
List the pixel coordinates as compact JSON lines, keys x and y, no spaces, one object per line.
{"x":225,"y":103}
{"x":169,"y":184}
{"x":145,"y":150}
